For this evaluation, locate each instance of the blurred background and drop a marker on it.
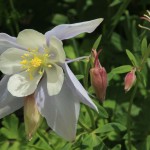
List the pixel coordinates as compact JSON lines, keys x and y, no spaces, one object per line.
{"x":119,"y":31}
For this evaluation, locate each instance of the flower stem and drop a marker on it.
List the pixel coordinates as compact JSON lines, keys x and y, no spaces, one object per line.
{"x":76,"y":50}
{"x":77,"y":59}
{"x":86,"y":87}
{"x":129,"y":116}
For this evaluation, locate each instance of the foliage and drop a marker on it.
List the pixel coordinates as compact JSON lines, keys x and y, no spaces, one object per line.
{"x":124,"y":45}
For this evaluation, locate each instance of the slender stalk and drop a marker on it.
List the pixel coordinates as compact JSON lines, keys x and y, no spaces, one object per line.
{"x":77,"y":53}
{"x":117,"y":16}
{"x":77,"y":59}
{"x":129,"y":116}
{"x":86,"y":87}
{"x":15,"y":20}
{"x":86,"y":76}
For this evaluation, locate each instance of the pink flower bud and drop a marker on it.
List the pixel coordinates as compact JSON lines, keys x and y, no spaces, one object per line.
{"x":98,"y":78}
{"x":32,"y":116}
{"x":129,"y":80}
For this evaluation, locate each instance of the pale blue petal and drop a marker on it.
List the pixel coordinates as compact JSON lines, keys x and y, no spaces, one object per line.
{"x":8,"y":103}
{"x":7,"y":41}
{"x":61,"y":111}
{"x":66,"y":31}
{"x":78,"y":89}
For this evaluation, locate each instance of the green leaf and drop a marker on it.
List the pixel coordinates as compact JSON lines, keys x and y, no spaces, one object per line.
{"x":97,"y":42}
{"x":4,"y":145}
{"x":110,"y":127}
{"x":122,"y":69}
{"x":94,"y":142}
{"x":59,"y":19}
{"x":146,"y":54}
{"x":117,"y":147}
{"x":67,"y":146}
{"x":148,"y":142}
{"x":41,"y":135}
{"x":132,"y":58}
{"x":100,"y":146}
{"x":102,"y":112}
{"x":142,"y":78}
{"x":10,"y":129}
{"x":79,"y":77}
{"x":114,"y":3}
{"x":15,"y":146}
{"x":132,"y":147}
{"x":144,"y":46}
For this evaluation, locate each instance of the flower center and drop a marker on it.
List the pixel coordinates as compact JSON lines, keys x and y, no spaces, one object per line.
{"x":34,"y":61}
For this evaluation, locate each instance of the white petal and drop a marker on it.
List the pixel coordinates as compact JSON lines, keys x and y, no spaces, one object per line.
{"x":21,"y":85}
{"x":61,"y":111}
{"x":8,"y":103}
{"x":31,"y":39}
{"x":10,"y":61}
{"x":57,"y":53}
{"x":77,"y":87}
{"x":67,"y":31}
{"x":7,"y":41}
{"x":55,"y":79}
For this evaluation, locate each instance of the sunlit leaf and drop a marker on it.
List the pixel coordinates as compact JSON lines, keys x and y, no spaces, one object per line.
{"x":10,"y":129}
{"x":102,"y":112}
{"x":110,"y":127}
{"x":117,"y":147}
{"x":4,"y":145}
{"x":132,"y":58}
{"x":122,"y":69}
{"x":97,"y":42}
{"x":144,"y":46}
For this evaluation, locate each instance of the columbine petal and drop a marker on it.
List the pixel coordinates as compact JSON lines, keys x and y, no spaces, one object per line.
{"x":61,"y":111}
{"x":55,"y":78}
{"x":7,"y":41}
{"x":8,"y":103}
{"x":10,"y":61}
{"x":77,"y":87}
{"x":57,"y":53}
{"x":21,"y":85}
{"x":31,"y":39}
{"x":67,"y":31}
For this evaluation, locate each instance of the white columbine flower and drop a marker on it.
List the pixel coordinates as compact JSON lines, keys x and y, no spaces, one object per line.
{"x":34,"y":64}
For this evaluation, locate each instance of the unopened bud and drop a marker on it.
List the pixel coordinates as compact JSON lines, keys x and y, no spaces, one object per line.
{"x":129,"y":80}
{"x":98,"y":77}
{"x":32,"y":117}
{"x":99,"y":82}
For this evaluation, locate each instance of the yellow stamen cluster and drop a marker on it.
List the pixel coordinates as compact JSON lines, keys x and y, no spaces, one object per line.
{"x":34,"y":61}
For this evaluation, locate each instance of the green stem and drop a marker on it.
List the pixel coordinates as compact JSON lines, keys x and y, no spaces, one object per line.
{"x":129,"y":116}
{"x":86,"y":76}
{"x":77,"y":53}
{"x":117,"y":16}
{"x":86,"y":87}
{"x":14,"y":19}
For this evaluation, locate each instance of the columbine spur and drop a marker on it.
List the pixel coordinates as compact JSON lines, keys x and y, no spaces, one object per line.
{"x":38,"y":70}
